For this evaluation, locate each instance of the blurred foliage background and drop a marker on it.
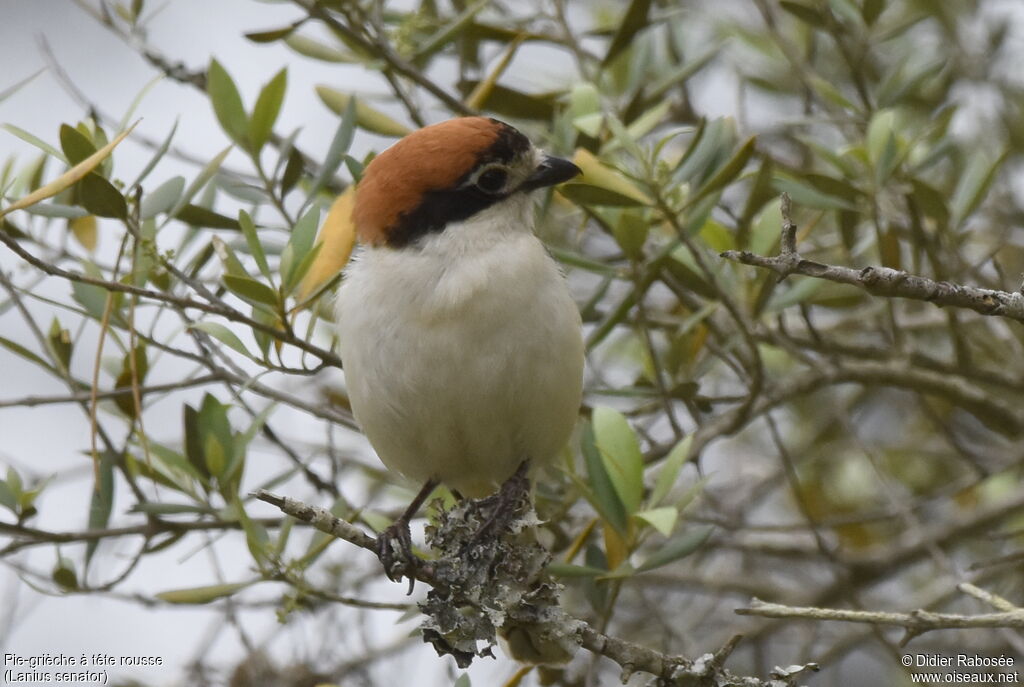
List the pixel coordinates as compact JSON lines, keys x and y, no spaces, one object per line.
{"x":798,"y":441}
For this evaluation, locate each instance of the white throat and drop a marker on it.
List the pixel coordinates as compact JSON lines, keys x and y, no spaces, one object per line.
{"x":506,"y":220}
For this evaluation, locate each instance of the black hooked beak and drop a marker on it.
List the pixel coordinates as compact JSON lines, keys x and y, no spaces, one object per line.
{"x":551,"y":171}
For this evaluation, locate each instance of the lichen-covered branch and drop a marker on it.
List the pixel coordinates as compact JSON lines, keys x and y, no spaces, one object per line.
{"x":524,"y":611}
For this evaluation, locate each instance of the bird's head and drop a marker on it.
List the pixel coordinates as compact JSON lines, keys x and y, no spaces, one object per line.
{"x":446,"y":173}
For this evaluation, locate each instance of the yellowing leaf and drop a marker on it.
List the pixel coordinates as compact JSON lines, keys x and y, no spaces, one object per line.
{"x":201,"y":595}
{"x":338,"y":235}
{"x":84,"y":230}
{"x":68,"y":178}
{"x":616,"y":548}
{"x":483,"y":90}
{"x":367,"y":117}
{"x":600,"y":175}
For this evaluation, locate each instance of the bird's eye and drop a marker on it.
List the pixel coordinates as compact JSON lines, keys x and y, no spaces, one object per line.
{"x":492,"y":181}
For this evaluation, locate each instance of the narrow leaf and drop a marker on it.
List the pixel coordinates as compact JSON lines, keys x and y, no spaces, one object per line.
{"x":21,"y":351}
{"x":299,"y":245}
{"x":232,"y":265}
{"x":670,"y":469}
{"x":100,"y":197}
{"x":606,"y":499}
{"x":679,"y":547}
{"x":297,"y":273}
{"x":56,"y":210}
{"x":271,"y":35}
{"x":630,"y":232}
{"x":339,"y":146}
{"x":633,"y":22}
{"x":200,"y":181}
{"x":102,"y":501}
{"x":11,"y":90}
{"x":973,"y":185}
{"x":137,"y":100}
{"x":193,"y":441}
{"x":84,"y":231}
{"x":336,"y":239}
{"x":157,"y":156}
{"x":198,"y":216}
{"x":620,"y":452}
{"x":227,"y":103}
{"x":251,"y":290}
{"x":256,"y":537}
{"x":34,"y":140}
{"x":662,"y":519}
{"x":806,"y":195}
{"x":483,"y":90}
{"x":253,"y":241}
{"x":7,"y":498}
{"x":681,"y":73}
{"x":309,"y":47}
{"x":447,"y":34}
{"x":292,"y":171}
{"x":60,"y":345}
{"x":202,"y":595}
{"x":223,"y":334}
{"x":75,"y":145}
{"x":516,"y":104}
{"x":264,"y":113}
{"x":215,"y":430}
{"x":64,"y":574}
{"x":70,"y":177}
{"x":367,"y":117}
{"x":727,"y":172}
{"x":162,"y":198}
{"x":805,"y":13}
{"x":871,"y":10}
{"x":612,"y":187}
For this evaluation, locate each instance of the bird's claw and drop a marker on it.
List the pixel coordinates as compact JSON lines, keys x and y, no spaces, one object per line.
{"x":401,"y":562}
{"x":505,"y":506}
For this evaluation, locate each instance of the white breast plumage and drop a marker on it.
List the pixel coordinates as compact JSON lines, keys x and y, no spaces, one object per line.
{"x":463,"y":355}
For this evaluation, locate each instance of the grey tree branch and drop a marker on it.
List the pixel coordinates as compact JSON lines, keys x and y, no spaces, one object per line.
{"x":994,"y":600}
{"x":84,"y":396}
{"x":380,"y":46}
{"x":32,"y":536}
{"x":705,"y":671}
{"x":213,"y":308}
{"x":883,"y":281}
{"x":917,"y":621}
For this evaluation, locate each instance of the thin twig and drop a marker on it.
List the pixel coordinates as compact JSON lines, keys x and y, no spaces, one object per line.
{"x":888,"y":282}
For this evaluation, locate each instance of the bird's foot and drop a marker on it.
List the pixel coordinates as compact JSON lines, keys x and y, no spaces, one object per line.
{"x":394,"y":549}
{"x":407,"y":563}
{"x":505,"y":506}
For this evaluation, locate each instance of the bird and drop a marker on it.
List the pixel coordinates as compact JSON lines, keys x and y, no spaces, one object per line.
{"x":460,"y":341}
